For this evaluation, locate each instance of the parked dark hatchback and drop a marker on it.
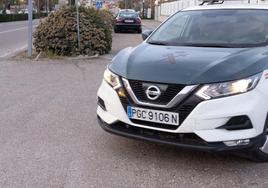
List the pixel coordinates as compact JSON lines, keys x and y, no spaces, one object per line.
{"x":127,"y":20}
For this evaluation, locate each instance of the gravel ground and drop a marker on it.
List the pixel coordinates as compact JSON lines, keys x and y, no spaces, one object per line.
{"x":49,"y":136}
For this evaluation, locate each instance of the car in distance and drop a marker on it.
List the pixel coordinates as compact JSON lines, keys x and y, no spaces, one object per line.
{"x":23,"y":11}
{"x":128,"y":10}
{"x":127,"y":19}
{"x":199,"y":81}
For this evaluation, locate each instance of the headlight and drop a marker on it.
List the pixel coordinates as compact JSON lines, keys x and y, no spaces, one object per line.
{"x":112,"y":79}
{"x":217,"y":90}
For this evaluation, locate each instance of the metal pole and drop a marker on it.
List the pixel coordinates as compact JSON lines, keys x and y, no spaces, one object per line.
{"x":47,"y":6}
{"x":143,"y":15}
{"x":125,"y":4}
{"x":38,"y":10}
{"x":30,"y":27}
{"x":77,"y":20}
{"x":5,"y":6}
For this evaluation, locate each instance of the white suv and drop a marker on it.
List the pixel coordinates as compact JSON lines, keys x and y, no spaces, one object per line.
{"x":199,"y":81}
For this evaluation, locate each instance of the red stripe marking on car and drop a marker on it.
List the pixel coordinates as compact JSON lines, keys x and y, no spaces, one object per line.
{"x":266,"y":76}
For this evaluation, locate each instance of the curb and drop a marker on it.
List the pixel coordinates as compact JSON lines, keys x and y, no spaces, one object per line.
{"x":13,"y":53}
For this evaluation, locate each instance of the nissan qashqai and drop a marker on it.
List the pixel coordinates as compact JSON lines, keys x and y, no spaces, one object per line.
{"x":200,"y":81}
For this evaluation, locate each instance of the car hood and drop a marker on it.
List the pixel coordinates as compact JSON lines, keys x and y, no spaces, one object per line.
{"x":188,"y":65}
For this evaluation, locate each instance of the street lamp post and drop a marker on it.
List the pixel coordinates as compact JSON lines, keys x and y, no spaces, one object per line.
{"x":38,"y":5}
{"x":30,"y":27}
{"x":47,"y":5}
{"x":77,"y":20}
{"x":143,"y":8}
{"x":20,"y":2}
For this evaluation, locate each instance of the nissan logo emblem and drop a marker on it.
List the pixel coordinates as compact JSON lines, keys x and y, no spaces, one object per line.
{"x":153,"y":92}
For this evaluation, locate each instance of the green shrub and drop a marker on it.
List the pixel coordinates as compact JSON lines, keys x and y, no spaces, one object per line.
{"x":58,"y":32}
{"x":108,"y":21}
{"x":18,"y":17}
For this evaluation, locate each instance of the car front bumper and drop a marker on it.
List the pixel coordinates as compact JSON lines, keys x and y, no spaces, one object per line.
{"x":127,"y":26}
{"x":202,"y":123}
{"x":182,"y":140}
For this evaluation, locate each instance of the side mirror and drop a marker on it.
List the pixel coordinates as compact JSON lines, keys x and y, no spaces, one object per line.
{"x":146,"y":34}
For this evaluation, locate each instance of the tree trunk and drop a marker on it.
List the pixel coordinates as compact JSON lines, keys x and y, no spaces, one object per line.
{"x":72,"y":2}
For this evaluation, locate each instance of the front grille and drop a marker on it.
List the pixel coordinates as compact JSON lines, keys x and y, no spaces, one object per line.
{"x":184,"y":109}
{"x":170,"y":91}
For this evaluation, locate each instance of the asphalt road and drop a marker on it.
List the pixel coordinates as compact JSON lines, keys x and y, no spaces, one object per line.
{"x":49,"y":136}
{"x":13,"y":37}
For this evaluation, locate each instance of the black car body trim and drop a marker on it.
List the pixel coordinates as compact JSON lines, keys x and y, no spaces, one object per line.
{"x":192,"y":141}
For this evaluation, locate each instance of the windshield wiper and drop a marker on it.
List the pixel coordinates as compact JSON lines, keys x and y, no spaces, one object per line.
{"x":208,"y":45}
{"x":157,"y":43}
{"x":191,"y":44}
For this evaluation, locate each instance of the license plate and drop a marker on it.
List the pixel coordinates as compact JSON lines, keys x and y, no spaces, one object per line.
{"x":155,"y":116}
{"x":129,"y":21}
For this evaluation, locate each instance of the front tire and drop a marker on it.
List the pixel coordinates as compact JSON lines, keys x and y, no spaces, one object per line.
{"x":116,"y":30}
{"x":261,"y":153}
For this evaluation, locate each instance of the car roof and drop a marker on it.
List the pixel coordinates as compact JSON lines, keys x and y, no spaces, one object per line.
{"x":227,"y":6}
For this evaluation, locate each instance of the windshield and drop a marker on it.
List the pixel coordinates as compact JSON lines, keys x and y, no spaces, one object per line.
{"x":128,"y":14}
{"x":214,"y":28}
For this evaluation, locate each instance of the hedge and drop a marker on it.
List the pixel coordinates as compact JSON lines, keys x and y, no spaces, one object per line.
{"x":19,"y":17}
{"x":57,"y":34}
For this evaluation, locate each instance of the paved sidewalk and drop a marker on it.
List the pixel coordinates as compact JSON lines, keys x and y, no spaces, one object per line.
{"x":150,"y":24}
{"x":123,"y":40}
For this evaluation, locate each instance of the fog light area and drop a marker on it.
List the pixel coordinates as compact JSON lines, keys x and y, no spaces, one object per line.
{"x":237,"y":142}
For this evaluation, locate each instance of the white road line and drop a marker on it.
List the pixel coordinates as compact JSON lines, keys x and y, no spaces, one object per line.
{"x":12,"y":30}
{"x":16,"y":23}
{"x":20,"y":28}
{"x":12,"y":24}
{"x":11,"y":53}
